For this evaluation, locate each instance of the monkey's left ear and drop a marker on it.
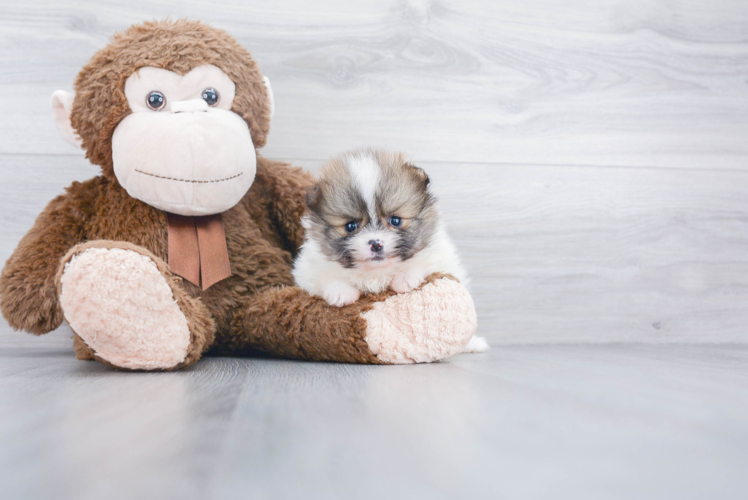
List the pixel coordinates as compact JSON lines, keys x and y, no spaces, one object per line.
{"x":62,"y":105}
{"x":266,"y":81}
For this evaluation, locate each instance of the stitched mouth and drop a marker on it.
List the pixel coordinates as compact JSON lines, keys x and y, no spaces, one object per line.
{"x":189,"y":180}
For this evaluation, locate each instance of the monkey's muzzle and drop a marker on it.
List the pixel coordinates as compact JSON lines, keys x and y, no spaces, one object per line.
{"x":194,"y":160}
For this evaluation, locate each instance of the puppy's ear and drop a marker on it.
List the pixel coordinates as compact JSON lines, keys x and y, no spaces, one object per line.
{"x":313,"y":197}
{"x":418,"y":174}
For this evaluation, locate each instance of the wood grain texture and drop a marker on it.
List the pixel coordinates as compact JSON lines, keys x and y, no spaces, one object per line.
{"x":581,"y":422}
{"x":556,"y":254}
{"x":586,"y":82}
{"x":591,"y":162}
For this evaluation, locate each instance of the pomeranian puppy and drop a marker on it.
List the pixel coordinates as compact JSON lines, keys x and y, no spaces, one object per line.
{"x":372,"y":224}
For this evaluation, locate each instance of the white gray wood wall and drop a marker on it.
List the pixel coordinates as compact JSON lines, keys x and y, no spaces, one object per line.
{"x":591,"y":156}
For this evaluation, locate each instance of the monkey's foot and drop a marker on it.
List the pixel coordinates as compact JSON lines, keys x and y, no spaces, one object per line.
{"x":428,"y":324}
{"x":123,"y":307}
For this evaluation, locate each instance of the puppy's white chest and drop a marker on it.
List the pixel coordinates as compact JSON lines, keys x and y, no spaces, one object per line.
{"x":372,"y":280}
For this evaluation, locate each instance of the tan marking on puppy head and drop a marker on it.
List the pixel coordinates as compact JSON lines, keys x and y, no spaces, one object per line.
{"x":179,"y":46}
{"x":397,"y":188}
{"x":334,"y":201}
{"x":403,"y":190}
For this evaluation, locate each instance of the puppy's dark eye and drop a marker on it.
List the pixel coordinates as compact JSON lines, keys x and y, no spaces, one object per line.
{"x":395,"y":221}
{"x":156,"y":100}
{"x":351,"y":226}
{"x":210,"y":95}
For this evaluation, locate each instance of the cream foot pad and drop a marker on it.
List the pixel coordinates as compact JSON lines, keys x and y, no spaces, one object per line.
{"x":425,"y":325}
{"x":121,"y":305}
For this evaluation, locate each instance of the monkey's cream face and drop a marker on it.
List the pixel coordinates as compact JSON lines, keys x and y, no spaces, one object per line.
{"x":182,"y":149}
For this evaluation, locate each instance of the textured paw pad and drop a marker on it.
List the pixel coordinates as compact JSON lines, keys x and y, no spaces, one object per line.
{"x":422,"y":326}
{"x":121,"y":305}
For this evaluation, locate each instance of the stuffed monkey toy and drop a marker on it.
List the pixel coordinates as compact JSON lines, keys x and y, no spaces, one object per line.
{"x":184,"y":244}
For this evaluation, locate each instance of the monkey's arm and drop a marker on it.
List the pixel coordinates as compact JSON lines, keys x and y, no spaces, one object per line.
{"x":287,"y":322}
{"x":28,"y":296}
{"x":430,"y":323}
{"x":285,"y":191}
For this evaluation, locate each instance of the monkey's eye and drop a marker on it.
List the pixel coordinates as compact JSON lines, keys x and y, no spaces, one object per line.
{"x":156,"y":100}
{"x":210,"y":95}
{"x":395,"y":221}
{"x":351,"y":226}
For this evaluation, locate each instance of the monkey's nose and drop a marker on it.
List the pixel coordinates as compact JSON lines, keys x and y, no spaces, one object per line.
{"x":376,"y":245}
{"x":187,"y":106}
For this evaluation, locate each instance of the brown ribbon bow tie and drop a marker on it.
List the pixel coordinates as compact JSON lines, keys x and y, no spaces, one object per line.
{"x":197,"y":249}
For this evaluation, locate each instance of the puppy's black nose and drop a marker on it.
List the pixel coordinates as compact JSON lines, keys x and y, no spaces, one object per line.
{"x":376,"y":245}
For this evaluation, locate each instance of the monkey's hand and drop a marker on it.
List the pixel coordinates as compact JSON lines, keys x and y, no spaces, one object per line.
{"x":28,"y":292}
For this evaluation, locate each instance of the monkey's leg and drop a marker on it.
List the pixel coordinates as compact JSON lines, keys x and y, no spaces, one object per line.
{"x":128,"y":310}
{"x":428,"y":324}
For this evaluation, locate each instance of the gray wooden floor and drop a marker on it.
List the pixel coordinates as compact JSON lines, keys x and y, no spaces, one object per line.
{"x":591,"y":159}
{"x":537,"y":421}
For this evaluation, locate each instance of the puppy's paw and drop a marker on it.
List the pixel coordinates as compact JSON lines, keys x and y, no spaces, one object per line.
{"x":407,"y":281}
{"x":340,"y":294}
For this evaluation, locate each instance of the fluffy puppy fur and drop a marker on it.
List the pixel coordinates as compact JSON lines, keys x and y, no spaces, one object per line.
{"x":373,"y":224}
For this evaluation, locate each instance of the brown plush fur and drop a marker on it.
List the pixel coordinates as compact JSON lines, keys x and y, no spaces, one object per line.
{"x":287,"y":310}
{"x":256,"y":308}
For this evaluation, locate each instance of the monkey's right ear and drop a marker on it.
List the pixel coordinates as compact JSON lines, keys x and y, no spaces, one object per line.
{"x":62,"y":105}
{"x":266,"y":81}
